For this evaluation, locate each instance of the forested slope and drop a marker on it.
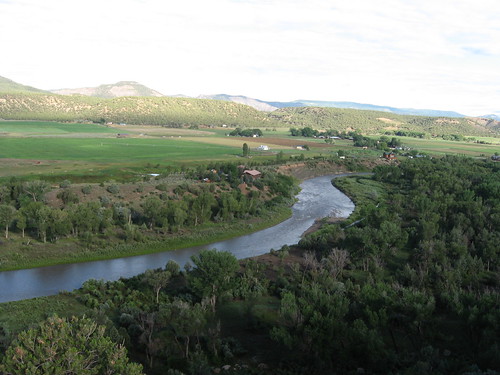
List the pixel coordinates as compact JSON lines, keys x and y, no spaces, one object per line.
{"x":367,"y":122}
{"x":169,"y":111}
{"x":131,"y":110}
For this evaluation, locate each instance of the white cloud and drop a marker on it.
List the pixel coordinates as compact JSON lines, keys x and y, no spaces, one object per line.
{"x":434,"y":54}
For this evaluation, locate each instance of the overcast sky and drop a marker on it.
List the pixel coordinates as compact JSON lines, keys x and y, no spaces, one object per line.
{"x":435,"y":54}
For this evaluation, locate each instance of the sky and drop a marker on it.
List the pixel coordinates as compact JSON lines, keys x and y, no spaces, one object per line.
{"x":431,"y":54}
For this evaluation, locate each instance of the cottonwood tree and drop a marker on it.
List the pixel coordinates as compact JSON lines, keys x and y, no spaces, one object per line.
{"x":201,"y":207}
{"x":38,"y":215}
{"x":36,"y":189}
{"x":213,"y":274}
{"x":157,"y":280}
{"x":7,"y":215}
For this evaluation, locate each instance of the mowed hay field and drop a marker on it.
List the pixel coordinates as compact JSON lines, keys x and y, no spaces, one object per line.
{"x":442,"y":147}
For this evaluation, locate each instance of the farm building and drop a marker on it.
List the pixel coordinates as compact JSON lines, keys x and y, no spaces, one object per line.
{"x":389,"y":156}
{"x":263,"y":148}
{"x":252,"y":172}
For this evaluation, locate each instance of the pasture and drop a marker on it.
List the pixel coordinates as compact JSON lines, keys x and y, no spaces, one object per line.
{"x":87,"y":152}
{"x":442,"y":147}
{"x":40,"y":128}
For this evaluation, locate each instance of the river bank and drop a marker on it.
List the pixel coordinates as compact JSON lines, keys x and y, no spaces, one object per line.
{"x":318,"y":198}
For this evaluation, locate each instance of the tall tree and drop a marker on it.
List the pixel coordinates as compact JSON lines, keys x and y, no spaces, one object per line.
{"x":36,"y":189}
{"x":7,"y":215}
{"x":214,"y":274}
{"x":157,"y":280}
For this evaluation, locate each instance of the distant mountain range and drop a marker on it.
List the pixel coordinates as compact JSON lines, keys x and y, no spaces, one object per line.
{"x":271,"y":106}
{"x":132,"y":88}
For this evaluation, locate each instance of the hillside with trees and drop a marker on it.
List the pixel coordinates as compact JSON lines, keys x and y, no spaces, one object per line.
{"x":373,"y":122}
{"x":176,"y":112}
{"x":165,"y":111}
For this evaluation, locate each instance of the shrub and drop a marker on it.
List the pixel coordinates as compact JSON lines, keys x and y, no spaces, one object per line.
{"x":113,"y":189}
{"x":65,"y":184}
{"x":87,"y":189}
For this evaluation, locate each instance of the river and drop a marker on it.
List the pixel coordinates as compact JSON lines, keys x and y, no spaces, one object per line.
{"x":317,"y":199}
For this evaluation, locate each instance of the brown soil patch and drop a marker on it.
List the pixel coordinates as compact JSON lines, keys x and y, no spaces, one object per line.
{"x":288,"y":142}
{"x":304,"y":171}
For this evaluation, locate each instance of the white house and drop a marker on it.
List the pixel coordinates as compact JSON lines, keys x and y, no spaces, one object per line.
{"x":263,"y":148}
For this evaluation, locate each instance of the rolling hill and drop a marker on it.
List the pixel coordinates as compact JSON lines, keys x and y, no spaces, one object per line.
{"x":132,"y":110}
{"x":19,"y":102}
{"x":113,"y":90}
{"x":9,"y":86}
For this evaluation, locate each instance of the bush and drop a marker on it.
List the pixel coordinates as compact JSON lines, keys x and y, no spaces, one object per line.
{"x":87,"y":189}
{"x":65,"y":184}
{"x":113,"y":189}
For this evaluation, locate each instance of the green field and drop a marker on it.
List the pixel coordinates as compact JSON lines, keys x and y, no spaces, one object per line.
{"x":442,"y":147}
{"x":90,"y":152}
{"x":112,"y":150}
{"x":26,"y":128}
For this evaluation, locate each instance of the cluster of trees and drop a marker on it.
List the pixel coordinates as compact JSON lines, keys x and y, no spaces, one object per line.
{"x":239,"y":132}
{"x":23,"y":208}
{"x":421,"y":135}
{"x":310,"y":132}
{"x":383,"y":143}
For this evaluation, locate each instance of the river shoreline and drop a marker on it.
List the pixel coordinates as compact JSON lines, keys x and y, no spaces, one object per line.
{"x":318,"y":198}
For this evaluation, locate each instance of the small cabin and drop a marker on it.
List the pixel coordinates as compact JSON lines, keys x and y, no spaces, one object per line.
{"x":252,"y":173}
{"x":389,"y":156}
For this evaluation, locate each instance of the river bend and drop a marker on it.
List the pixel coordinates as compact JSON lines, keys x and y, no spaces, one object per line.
{"x":317,"y":199}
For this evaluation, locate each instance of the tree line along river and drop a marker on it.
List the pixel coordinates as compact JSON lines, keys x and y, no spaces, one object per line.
{"x":317,"y":199}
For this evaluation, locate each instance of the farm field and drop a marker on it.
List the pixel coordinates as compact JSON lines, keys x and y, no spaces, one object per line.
{"x":442,"y":147}
{"x":34,"y":128}
{"x":54,"y":155}
{"x":87,"y":152}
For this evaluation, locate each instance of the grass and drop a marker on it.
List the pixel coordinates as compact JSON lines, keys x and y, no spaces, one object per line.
{"x":26,"y":128}
{"x":112,"y":150}
{"x":442,"y":147}
{"x":363,"y":190}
